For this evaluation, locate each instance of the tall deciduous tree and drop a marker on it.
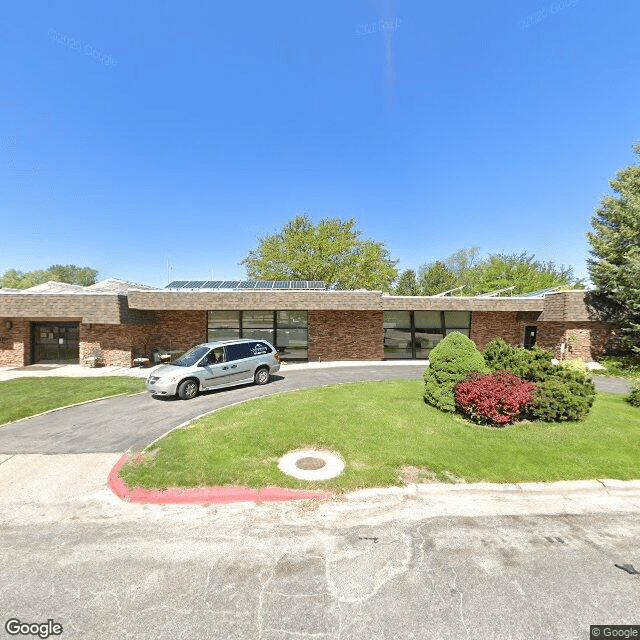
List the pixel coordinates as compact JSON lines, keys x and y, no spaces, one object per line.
{"x":332,"y":251}
{"x":497,"y":271}
{"x":615,"y":248}
{"x":522,"y":272}
{"x":69,"y":273}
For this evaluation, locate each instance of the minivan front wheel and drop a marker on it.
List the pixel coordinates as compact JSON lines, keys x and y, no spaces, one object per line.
{"x":261,"y":376}
{"x":188,"y":389}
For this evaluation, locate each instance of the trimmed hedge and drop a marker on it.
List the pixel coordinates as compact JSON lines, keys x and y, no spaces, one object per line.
{"x":449,"y":362}
{"x":563,"y":392}
{"x":566,"y":395}
{"x":496,"y":398}
{"x":528,"y":364}
{"x":634,"y":397}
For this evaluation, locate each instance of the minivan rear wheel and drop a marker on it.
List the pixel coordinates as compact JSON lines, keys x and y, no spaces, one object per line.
{"x":188,"y":389}
{"x":261,"y":376}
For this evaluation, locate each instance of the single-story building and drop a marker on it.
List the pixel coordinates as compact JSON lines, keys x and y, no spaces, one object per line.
{"x":116,"y":321}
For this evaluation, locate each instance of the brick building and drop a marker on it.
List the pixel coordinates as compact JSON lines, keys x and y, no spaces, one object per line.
{"x":116,"y":321}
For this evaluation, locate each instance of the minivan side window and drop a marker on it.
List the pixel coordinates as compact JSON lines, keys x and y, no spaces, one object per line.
{"x":238,"y":351}
{"x":259,"y":348}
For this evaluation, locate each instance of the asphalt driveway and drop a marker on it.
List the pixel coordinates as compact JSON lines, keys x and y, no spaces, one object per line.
{"x":117,"y":424}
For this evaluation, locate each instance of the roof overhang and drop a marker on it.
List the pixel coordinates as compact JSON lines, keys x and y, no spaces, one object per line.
{"x":267,"y":300}
{"x":98,"y":308}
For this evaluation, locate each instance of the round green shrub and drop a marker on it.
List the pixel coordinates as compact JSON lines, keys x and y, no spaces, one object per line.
{"x":565,"y":395}
{"x":528,"y":364}
{"x":449,"y":362}
{"x":634,"y":397}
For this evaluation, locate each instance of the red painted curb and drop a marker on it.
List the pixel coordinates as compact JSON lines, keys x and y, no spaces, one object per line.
{"x":205,"y":495}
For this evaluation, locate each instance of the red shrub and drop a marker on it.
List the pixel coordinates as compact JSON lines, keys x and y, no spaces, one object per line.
{"x":498,"y":397}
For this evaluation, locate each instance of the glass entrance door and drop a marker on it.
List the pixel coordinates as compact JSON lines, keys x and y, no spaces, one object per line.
{"x":56,"y":343}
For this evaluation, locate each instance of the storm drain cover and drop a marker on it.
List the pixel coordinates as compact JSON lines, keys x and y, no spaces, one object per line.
{"x":311,"y":464}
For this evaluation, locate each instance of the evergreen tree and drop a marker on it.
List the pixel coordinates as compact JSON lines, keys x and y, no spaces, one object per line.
{"x":615,"y":247}
{"x":407,"y":284}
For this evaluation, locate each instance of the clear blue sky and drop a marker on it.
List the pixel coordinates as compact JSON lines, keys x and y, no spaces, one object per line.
{"x":132,"y":133}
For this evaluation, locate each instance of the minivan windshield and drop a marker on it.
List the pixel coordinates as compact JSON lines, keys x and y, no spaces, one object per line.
{"x":191,"y":357}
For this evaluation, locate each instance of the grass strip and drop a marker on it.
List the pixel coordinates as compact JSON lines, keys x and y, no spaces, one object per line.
{"x":380,"y":428}
{"x":23,"y":397}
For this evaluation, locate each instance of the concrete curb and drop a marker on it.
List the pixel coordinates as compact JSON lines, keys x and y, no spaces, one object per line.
{"x":205,"y":495}
{"x":231,"y":494}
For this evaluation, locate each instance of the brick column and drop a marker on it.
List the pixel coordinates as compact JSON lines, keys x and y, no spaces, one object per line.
{"x":346,"y":335}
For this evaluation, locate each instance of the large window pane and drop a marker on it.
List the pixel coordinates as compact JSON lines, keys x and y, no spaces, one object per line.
{"x":457,"y":319}
{"x":292,"y":337}
{"x":258,"y":334}
{"x":428,"y":319}
{"x":397,"y":319}
{"x":257,"y":320}
{"x":293,"y":353}
{"x":292,"y":318}
{"x":222,"y":334}
{"x":425,"y":341}
{"x":223,"y":319}
{"x":397,"y":343}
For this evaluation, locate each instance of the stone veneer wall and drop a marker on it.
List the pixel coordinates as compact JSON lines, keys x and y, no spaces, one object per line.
{"x":585,"y":339}
{"x":488,"y":325}
{"x":176,"y":330}
{"x":15,"y":343}
{"x":346,"y":335}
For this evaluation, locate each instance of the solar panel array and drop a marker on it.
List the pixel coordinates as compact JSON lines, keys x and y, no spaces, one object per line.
{"x":235,"y":285}
{"x":538,"y":294}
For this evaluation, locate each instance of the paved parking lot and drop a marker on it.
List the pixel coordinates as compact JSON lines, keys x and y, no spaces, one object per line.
{"x":117,"y":424}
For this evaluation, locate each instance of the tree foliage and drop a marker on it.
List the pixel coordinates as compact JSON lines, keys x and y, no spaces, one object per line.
{"x":435,"y":277}
{"x":450,"y":361}
{"x":523,"y":272}
{"x":407,"y":284}
{"x":497,"y":271}
{"x":615,"y":248}
{"x":332,"y":251}
{"x":69,"y":273}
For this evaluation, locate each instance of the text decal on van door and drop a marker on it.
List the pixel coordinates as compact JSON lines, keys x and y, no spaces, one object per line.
{"x":259,"y":349}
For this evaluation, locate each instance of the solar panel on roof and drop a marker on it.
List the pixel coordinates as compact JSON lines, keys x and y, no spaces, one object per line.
{"x":176,"y":284}
{"x":280,"y":285}
{"x":538,"y":294}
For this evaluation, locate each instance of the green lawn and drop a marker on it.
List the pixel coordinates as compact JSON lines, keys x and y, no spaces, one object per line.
{"x":380,"y":427}
{"x":24,"y":397}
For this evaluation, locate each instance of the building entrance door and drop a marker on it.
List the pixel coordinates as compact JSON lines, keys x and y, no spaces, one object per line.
{"x":55,"y":343}
{"x":530,"y":337}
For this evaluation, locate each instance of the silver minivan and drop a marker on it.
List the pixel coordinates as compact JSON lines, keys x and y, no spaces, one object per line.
{"x":215,"y":365}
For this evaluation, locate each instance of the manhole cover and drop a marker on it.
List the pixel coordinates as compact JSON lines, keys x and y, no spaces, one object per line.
{"x":310,"y":464}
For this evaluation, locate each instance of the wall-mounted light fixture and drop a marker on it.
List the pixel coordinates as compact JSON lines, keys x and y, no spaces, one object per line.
{"x":8,"y":324}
